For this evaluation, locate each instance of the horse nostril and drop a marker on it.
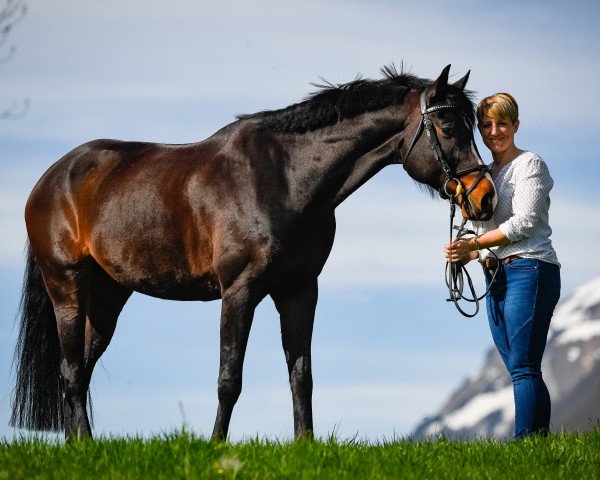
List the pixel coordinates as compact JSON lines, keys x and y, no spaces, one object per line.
{"x":487,"y":203}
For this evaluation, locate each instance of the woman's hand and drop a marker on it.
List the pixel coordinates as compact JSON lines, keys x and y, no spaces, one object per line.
{"x":461,"y":251}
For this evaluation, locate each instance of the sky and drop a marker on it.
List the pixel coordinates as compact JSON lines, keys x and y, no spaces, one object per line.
{"x":387,"y":347}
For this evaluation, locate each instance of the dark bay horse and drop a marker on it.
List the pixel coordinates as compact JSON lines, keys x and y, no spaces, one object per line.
{"x":246,"y":213}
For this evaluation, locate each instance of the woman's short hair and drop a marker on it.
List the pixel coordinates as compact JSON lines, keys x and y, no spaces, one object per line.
{"x":500,"y":106}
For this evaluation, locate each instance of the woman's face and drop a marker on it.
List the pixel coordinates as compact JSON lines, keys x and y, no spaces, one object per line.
{"x":498,"y":135}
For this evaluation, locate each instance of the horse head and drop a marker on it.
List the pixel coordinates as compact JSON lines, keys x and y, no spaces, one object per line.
{"x":443,"y":154}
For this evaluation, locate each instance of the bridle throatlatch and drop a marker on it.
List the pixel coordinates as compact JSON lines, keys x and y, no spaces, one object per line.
{"x":455,"y":273}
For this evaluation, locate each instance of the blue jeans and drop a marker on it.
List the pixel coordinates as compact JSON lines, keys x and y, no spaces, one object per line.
{"x":520,"y":304}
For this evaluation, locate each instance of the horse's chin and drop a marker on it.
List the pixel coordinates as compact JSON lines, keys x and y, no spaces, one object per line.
{"x":479,"y":216}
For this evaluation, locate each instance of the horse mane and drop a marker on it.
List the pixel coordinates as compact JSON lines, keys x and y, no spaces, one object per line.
{"x":334,"y":102}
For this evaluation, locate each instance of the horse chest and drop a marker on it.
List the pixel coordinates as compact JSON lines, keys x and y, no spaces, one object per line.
{"x":305,"y":253}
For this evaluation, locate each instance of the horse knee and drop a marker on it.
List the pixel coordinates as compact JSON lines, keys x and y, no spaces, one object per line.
{"x":229,"y":389}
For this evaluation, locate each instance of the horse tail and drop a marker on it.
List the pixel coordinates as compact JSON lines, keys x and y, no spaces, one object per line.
{"x":38,"y":394}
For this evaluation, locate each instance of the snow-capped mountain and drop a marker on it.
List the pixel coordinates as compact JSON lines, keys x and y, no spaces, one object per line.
{"x":483,"y":406}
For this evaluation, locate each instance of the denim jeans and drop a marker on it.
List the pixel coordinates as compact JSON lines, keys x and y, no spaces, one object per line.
{"x":520,"y":304}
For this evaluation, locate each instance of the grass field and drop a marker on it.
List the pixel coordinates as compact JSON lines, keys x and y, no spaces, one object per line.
{"x":185,"y":456}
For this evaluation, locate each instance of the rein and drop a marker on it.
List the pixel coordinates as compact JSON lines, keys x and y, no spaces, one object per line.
{"x":455,"y":273}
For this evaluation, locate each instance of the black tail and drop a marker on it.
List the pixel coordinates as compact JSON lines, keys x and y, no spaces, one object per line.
{"x":38,"y":395}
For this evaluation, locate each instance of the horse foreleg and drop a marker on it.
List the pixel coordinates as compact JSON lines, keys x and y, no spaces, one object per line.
{"x":236,"y":320}
{"x":297,"y":311}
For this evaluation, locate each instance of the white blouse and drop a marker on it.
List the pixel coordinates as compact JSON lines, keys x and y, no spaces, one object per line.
{"x":523,"y":187}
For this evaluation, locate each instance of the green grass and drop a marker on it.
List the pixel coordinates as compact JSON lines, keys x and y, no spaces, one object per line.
{"x":186,"y":456}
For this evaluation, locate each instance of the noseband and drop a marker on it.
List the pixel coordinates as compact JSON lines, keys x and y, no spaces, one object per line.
{"x":451,"y":173}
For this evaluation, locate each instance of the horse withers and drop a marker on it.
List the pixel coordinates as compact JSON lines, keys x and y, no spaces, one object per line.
{"x":246,"y":213}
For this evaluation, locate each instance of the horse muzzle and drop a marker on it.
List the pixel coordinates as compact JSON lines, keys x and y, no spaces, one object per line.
{"x":475,"y":194}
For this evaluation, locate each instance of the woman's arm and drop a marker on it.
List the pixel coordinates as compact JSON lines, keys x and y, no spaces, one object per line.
{"x":465,"y":249}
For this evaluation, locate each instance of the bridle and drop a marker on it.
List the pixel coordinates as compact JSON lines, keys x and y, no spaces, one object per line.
{"x":455,"y":272}
{"x":452,"y":175}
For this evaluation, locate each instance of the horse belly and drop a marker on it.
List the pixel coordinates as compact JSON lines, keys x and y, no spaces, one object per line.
{"x":178,"y":288}
{"x":151,"y":275}
{"x":149,"y":253}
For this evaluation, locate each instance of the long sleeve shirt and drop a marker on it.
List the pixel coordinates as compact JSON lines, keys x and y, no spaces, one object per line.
{"x":522,"y":213}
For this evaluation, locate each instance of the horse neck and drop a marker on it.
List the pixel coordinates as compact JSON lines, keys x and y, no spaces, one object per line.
{"x":336,"y":160}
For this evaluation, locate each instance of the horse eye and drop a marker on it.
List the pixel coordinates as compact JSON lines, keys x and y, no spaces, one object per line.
{"x":448,"y":132}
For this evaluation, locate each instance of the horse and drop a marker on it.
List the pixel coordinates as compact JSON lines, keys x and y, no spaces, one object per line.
{"x":247,"y":213}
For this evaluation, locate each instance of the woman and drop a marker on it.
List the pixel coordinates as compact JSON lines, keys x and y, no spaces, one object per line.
{"x":522,"y":298}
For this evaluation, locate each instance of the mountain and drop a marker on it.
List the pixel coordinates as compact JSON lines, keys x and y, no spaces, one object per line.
{"x":483,"y":405}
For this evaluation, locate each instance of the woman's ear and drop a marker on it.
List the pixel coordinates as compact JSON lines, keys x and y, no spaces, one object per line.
{"x":516,"y":124}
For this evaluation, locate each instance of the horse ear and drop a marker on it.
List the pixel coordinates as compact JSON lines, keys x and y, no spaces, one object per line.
{"x":438,"y":89}
{"x":463,"y":81}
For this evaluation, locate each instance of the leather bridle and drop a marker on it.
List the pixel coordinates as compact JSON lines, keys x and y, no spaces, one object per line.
{"x":452,"y":175}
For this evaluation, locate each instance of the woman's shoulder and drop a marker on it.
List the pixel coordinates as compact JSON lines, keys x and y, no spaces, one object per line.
{"x":528,"y":156}
{"x":531,"y":164}
{"x":529,"y":161}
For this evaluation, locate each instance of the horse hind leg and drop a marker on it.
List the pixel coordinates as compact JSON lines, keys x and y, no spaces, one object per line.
{"x":87,"y":303}
{"x":68,"y":288}
{"x":107,"y":299}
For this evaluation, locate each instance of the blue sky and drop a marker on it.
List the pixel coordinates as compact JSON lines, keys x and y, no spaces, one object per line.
{"x":387,"y":347}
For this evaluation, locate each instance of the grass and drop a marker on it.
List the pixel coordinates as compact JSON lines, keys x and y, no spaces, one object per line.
{"x":185,"y":456}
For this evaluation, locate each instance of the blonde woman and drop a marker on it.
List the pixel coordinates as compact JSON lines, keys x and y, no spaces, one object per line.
{"x":522,"y":298}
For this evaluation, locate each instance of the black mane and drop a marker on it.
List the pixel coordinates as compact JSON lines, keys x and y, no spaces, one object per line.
{"x":335,"y":102}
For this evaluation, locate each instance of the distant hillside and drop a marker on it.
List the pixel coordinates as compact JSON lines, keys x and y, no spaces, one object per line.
{"x":483,"y":405}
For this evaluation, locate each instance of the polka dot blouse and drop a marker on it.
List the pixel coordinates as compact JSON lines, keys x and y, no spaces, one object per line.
{"x":523,"y":187}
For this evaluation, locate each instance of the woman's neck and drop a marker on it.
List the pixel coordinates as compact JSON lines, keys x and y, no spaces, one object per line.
{"x":507,"y":156}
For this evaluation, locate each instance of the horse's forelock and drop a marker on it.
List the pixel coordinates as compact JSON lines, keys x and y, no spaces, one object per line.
{"x":464,"y":100}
